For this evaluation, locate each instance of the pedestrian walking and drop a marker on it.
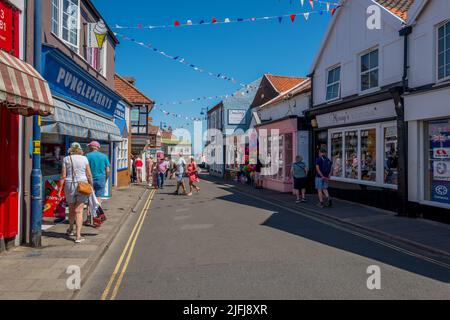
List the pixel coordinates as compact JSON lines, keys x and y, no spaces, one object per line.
{"x":77,"y":177}
{"x":132,"y":169}
{"x":192,"y":173}
{"x":173,"y":168}
{"x":161,"y":169}
{"x":100,"y":168}
{"x":179,"y":173}
{"x":138,"y":164}
{"x":299,"y":171}
{"x":149,"y":167}
{"x":323,"y":172}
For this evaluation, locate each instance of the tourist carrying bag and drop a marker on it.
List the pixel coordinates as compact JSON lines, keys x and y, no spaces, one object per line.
{"x":83,"y":188}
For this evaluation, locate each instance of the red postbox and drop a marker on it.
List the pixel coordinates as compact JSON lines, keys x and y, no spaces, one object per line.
{"x":9,"y":202}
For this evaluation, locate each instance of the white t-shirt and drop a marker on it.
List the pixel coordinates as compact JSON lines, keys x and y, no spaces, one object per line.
{"x":79,"y":164}
{"x":181,"y":163}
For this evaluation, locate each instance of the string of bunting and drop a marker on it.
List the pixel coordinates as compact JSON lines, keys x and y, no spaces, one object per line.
{"x":179,"y":59}
{"x":176,"y":115}
{"x":331,"y":7}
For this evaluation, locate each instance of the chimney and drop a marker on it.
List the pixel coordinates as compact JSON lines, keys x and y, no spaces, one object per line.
{"x":130,"y":80}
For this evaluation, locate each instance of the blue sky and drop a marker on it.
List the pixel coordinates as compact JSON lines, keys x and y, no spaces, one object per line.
{"x":243,"y":51}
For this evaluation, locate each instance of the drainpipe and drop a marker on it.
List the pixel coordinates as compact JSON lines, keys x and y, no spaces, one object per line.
{"x":36,"y":174}
{"x":402,"y":127}
{"x":312,"y":139}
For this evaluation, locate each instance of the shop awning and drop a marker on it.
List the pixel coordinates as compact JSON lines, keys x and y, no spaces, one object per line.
{"x":73,"y":121}
{"x":22,"y":88}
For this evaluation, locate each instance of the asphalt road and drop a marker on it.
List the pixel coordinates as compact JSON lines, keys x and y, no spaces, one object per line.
{"x":222,"y":244}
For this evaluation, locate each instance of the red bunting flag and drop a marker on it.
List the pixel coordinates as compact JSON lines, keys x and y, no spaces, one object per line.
{"x":311,"y":2}
{"x":177,"y":23}
{"x":293,"y":16}
{"x":139,"y":26}
{"x":333,"y":11}
{"x":214,"y":20}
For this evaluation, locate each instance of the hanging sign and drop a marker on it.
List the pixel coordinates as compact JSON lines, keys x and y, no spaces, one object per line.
{"x":96,"y":34}
{"x":236,"y":116}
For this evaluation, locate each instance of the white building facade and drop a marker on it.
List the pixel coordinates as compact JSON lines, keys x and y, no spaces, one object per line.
{"x":427,"y":110}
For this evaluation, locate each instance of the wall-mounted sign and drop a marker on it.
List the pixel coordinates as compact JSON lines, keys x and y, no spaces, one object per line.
{"x":441,"y":170}
{"x":96,"y":34}
{"x":363,"y":114}
{"x":71,"y":82}
{"x":6,"y":27}
{"x":120,"y":111}
{"x":236,"y":116}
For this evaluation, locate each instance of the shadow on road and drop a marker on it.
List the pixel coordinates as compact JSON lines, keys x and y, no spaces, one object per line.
{"x":329,"y":235}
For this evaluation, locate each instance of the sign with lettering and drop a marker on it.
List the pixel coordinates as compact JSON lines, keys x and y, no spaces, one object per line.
{"x":6,"y":27}
{"x":357,"y":115}
{"x":71,"y":82}
{"x":236,"y":116}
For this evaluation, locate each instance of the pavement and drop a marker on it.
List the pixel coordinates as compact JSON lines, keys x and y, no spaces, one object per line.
{"x":228,"y":243}
{"x":31,"y":274}
{"x":431,"y":236}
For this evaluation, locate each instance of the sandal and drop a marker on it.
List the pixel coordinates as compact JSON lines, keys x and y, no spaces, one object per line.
{"x":70,"y":232}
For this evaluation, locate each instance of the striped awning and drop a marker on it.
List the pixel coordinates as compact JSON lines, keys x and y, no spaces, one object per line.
{"x":22,"y":88}
{"x":73,"y":121}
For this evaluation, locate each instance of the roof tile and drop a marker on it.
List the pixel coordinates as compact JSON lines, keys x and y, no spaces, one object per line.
{"x":398,"y":7}
{"x":130,"y":92}
{"x":281,"y":83}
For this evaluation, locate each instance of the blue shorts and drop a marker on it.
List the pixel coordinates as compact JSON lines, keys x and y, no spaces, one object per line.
{"x":100,"y":186}
{"x":321,"y":184}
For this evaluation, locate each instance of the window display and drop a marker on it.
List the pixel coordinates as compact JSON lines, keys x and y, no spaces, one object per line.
{"x":438,"y":177}
{"x":52,"y":153}
{"x":351,"y":154}
{"x":390,"y":155}
{"x":369,"y":155}
{"x":336,"y":154}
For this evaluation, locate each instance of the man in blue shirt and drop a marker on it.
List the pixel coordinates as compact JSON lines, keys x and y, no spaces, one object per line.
{"x":323,"y":172}
{"x":100,"y":168}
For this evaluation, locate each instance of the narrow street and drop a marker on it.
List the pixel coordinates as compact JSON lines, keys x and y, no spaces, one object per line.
{"x":222,"y":244}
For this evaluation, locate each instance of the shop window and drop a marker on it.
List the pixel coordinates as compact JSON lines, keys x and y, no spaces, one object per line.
{"x":369,"y":155}
{"x":139,"y":120}
{"x":52,"y":153}
{"x":65,"y":21}
{"x":288,"y":154}
{"x":390,"y":155}
{"x":438,"y":171}
{"x":334,"y":83}
{"x":351,"y":154}
{"x":369,"y":70}
{"x":444,"y":51}
{"x":336,"y":154}
{"x":122,"y":155}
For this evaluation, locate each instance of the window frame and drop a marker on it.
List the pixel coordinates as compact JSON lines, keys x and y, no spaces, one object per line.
{"x":122,"y":147}
{"x":139,"y":125}
{"x":440,"y":25}
{"x":334,"y":83}
{"x":59,"y":35}
{"x":379,"y":127}
{"x":360,"y":72}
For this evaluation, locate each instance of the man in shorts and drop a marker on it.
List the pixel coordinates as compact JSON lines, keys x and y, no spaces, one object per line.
{"x":323,"y":172}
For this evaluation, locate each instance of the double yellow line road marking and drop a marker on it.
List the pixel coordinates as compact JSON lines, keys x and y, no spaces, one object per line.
{"x":129,"y":247}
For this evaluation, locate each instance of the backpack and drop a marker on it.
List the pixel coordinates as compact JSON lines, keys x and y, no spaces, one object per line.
{"x":326,"y":166}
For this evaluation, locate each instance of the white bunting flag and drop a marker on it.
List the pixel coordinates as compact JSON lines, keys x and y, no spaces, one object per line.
{"x":306,"y":15}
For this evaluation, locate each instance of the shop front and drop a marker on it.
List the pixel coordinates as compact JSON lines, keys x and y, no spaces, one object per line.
{"x":23,"y":92}
{"x":429,"y":153}
{"x":121,"y":173}
{"x":84,"y":111}
{"x":287,"y":141}
{"x":362,"y":144}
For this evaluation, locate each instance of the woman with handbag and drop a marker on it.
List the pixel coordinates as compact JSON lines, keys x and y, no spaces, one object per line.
{"x":77,"y":176}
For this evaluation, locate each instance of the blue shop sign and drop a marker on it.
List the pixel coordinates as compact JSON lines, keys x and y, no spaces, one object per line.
{"x":120,"y":111}
{"x":69,"y":81}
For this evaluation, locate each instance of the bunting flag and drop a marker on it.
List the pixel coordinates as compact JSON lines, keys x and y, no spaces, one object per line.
{"x":311,"y":3}
{"x":189,"y":23}
{"x":179,"y":59}
{"x":176,"y":115}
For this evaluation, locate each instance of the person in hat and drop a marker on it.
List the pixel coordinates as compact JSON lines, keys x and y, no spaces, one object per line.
{"x":100,"y":168}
